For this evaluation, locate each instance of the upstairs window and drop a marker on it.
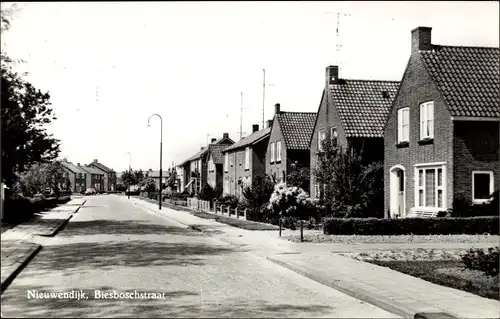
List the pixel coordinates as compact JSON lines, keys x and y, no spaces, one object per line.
{"x":231,"y":159}
{"x":247,"y":158}
{"x":321,"y":138}
{"x":427,"y":120}
{"x":278,"y":151}
{"x":333,"y":136}
{"x":403,"y":125}
{"x":482,"y":186}
{"x":272,"y":152}
{"x":226,"y":161}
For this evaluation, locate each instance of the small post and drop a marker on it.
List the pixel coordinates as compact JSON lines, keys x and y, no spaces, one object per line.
{"x":237,"y":213}
{"x":301,"y":230}
{"x":229,"y":210}
{"x":245,"y":213}
{"x":280,"y":225}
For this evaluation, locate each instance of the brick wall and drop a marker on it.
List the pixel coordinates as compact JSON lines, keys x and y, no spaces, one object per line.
{"x":211,"y":174}
{"x":259,"y":158}
{"x":475,"y":147}
{"x":416,"y":88}
{"x":327,"y":117}
{"x":276,"y":168}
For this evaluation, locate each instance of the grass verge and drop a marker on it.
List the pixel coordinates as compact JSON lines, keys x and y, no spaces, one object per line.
{"x":449,"y":273}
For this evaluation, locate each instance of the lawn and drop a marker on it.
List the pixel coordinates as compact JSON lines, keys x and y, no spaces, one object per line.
{"x":449,"y":273}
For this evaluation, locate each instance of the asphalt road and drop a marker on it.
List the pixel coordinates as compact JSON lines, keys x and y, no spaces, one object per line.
{"x":113,"y":246}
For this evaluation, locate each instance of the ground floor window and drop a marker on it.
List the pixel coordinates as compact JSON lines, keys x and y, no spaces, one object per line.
{"x":482,"y":186}
{"x":430,"y":185}
{"x":316,"y":190}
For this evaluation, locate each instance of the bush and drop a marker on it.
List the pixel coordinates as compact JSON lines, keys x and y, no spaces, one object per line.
{"x":480,"y":260}
{"x":207,"y":193}
{"x":229,"y":200}
{"x":263,"y":214}
{"x":462,"y":207}
{"x":259,"y":193}
{"x":132,"y":193}
{"x":415,"y":226}
{"x":63,"y":199}
{"x":18,"y":209}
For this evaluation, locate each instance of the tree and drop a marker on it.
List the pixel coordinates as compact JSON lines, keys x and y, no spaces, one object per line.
{"x":138,"y":177}
{"x":172,"y":178}
{"x":350,"y":188}
{"x":298,"y":176}
{"x":43,"y":176}
{"x":128,"y":178}
{"x":260,"y":192}
{"x":25,"y":112}
{"x":150,"y":185}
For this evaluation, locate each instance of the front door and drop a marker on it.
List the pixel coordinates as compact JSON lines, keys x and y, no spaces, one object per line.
{"x":401,"y":193}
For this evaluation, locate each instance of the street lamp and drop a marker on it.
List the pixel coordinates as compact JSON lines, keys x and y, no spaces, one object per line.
{"x":129,"y":172}
{"x":161,"y":145}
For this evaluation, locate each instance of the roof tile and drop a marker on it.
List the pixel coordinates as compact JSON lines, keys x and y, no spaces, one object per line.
{"x":297,"y":128}
{"x":249,"y":140}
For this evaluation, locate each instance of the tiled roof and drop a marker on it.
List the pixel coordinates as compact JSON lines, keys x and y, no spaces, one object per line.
{"x":198,"y":155}
{"x":363,"y":107}
{"x":91,"y":170}
{"x":102,"y":166}
{"x":467,"y":77}
{"x":156,"y":173}
{"x":72,"y":167}
{"x":216,"y":151}
{"x":297,"y":128}
{"x":249,"y":140}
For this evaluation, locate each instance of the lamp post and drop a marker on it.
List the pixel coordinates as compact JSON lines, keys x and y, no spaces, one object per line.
{"x":161,"y":146}
{"x":129,"y":172}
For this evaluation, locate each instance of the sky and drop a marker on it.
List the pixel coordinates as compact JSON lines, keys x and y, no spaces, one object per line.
{"x":108,"y":66}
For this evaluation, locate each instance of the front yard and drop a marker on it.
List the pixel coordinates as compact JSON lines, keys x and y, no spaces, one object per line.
{"x":439,"y":266}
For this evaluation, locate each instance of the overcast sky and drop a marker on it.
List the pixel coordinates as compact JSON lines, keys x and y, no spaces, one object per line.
{"x":190,"y":61}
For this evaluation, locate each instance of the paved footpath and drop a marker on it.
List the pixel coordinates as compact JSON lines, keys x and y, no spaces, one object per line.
{"x":385,"y":288}
{"x":18,"y":244}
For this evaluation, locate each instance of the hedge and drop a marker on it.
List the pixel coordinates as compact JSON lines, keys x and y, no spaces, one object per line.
{"x":415,"y":226}
{"x":132,"y":193}
{"x":21,"y":209}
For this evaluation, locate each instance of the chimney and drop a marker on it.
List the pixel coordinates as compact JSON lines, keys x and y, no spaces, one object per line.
{"x":201,"y":149}
{"x":95,"y":161}
{"x":78,"y":164}
{"x":255,"y":128}
{"x":277,"y":108}
{"x":421,"y":39}
{"x":213,"y":140}
{"x":269,"y":123}
{"x":225,"y":135}
{"x":332,"y":75}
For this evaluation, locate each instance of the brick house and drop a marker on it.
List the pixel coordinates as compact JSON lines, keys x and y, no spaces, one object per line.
{"x":180,"y":178}
{"x":109,"y":175}
{"x":76,"y":175}
{"x":288,"y":146}
{"x":215,"y":163}
{"x":352,"y":113}
{"x":196,"y":167}
{"x":244,"y":160}
{"x":441,"y":138}
{"x":95,"y":178}
{"x":155,"y":175}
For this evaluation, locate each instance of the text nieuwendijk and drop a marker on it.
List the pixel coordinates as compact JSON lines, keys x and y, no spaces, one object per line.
{"x":96,"y":294}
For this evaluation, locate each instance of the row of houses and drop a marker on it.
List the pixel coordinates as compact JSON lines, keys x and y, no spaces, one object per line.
{"x":94,"y":175}
{"x":436,"y":130}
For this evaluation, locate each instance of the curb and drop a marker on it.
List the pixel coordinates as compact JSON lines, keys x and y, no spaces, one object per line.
{"x":60,"y":226}
{"x":392,"y":307}
{"x":8,"y":280}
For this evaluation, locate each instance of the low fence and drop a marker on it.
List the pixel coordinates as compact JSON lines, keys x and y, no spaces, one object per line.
{"x":202,"y":205}
{"x":208,"y":207}
{"x":226,"y":209}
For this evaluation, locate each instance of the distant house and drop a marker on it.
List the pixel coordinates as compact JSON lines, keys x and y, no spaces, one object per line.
{"x":110,"y":177}
{"x":288,"y":147}
{"x":76,"y":175}
{"x":352,"y":113}
{"x":95,"y":178}
{"x":442,"y":134}
{"x":180,"y":178}
{"x":156,"y":176}
{"x":215,"y":161}
{"x":196,"y":167}
{"x":244,"y":160}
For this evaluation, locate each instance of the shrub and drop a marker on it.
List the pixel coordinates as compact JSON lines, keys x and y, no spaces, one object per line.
{"x":263,"y":214}
{"x":291,"y":201}
{"x":63,"y":199}
{"x":230,"y":200}
{"x":207,"y":193}
{"x":415,"y":226}
{"x":259,"y":193}
{"x":132,"y":193}
{"x":18,"y":209}
{"x":486,"y":262}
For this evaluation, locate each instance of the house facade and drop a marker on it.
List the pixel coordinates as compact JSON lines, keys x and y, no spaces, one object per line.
{"x":76,"y":175}
{"x":244,"y":160}
{"x":442,"y":134}
{"x":215,"y":162}
{"x":155,"y":175}
{"x":94,"y":179}
{"x":352,"y":114}
{"x":179,"y":171}
{"x":196,"y":167}
{"x":110,"y":178}
{"x":288,"y":147}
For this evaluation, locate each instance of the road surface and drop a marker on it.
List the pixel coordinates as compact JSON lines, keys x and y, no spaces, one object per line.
{"x":111,"y":246}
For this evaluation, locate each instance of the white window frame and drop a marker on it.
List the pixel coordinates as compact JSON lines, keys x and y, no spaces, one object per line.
{"x":278,"y":151}
{"x":404,"y":123}
{"x":334,"y":134}
{"x":247,"y":158}
{"x":492,"y":187}
{"x":231,"y":160}
{"x":226,"y":162}
{"x":272,"y":152}
{"x":437,"y":188}
{"x":427,"y":120}
{"x":321,"y":137}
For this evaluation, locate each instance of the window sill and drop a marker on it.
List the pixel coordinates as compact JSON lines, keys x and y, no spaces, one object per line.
{"x":278,"y":162}
{"x":430,"y":209}
{"x":426,"y":141}
{"x":481,"y":201}
{"x":247,"y":169}
{"x":402,"y":144}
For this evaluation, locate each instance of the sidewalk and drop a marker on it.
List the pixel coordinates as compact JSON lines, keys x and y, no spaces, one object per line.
{"x":385,"y":288}
{"x":17,"y":246}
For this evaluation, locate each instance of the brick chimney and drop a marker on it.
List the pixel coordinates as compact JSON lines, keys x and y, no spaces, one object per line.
{"x":255,"y":128}
{"x":421,"y":39}
{"x":277,"y":109}
{"x":201,"y":149}
{"x":269,"y":123}
{"x":225,"y":135}
{"x":213,"y":140}
{"x":332,"y":75}
{"x":95,"y":161}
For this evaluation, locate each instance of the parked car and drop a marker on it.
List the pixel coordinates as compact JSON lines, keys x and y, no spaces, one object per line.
{"x":90,"y":191}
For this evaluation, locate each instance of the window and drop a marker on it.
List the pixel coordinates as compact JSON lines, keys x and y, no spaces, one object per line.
{"x":231,"y":159}
{"x":316,"y":190}
{"x":482,"y":186}
{"x":226,"y":161}
{"x":430,"y":183}
{"x":403,"y":124}
{"x":333,"y":136}
{"x":321,"y":137}
{"x":278,"y":151}
{"x":427,"y":120}
{"x":247,"y":158}
{"x":272,"y":152}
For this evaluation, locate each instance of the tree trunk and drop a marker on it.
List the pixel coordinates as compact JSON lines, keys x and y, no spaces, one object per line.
{"x":301,"y":230}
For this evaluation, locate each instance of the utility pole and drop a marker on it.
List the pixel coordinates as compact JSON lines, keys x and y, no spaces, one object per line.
{"x":241,"y":117}
{"x":263,"y":96}
{"x":338,"y":44}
